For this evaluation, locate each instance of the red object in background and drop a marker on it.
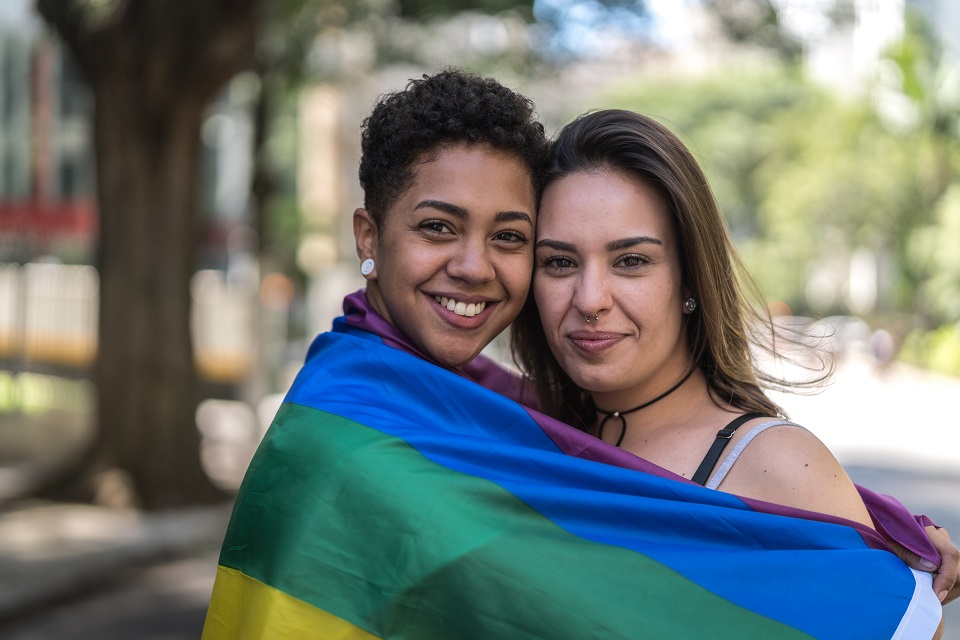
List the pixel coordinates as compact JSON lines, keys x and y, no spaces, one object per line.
{"x":77,"y":218}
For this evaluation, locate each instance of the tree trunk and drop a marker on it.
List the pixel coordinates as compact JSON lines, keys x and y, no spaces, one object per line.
{"x":145,"y":376}
{"x":153,"y":67}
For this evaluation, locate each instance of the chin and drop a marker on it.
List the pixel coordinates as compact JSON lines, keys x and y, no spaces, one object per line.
{"x":452,"y":359}
{"x":594,"y":385}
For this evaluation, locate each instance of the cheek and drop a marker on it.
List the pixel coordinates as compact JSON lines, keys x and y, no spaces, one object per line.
{"x":537,"y":289}
{"x":663,"y":307}
{"x":388,"y":256}
{"x":550,"y":299}
{"x":516,"y":275}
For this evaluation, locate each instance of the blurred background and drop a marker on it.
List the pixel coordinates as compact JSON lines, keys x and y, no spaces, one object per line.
{"x":177,"y":180}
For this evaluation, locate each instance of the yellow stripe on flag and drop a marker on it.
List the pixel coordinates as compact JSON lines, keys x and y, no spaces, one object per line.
{"x":242,"y":607}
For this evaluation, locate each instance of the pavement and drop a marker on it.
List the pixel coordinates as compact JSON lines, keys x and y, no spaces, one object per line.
{"x":81,"y":571}
{"x":895,"y":416}
{"x":51,"y":554}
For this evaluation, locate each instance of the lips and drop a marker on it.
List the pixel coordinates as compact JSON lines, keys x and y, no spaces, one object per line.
{"x":594,"y":341}
{"x":459,"y":307}
{"x":463,"y":311}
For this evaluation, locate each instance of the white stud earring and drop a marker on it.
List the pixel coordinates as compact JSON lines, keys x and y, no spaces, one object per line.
{"x":366,"y":267}
{"x":690,"y":304}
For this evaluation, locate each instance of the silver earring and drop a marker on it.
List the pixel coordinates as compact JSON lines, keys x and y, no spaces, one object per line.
{"x":690,"y":305}
{"x":366,"y":267}
{"x":596,"y":317}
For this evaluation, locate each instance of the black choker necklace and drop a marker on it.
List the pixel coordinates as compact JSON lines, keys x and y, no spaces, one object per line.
{"x":620,"y":414}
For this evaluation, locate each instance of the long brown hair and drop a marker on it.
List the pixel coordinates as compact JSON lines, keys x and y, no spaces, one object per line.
{"x":730,"y":317}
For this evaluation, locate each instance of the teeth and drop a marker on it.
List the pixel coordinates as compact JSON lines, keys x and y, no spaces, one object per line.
{"x":461,"y":308}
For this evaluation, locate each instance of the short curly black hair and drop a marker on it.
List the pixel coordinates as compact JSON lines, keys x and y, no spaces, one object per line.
{"x":432,"y":112}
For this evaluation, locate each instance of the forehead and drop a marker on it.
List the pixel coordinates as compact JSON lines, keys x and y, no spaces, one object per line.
{"x":603,"y":203}
{"x":466,"y":171}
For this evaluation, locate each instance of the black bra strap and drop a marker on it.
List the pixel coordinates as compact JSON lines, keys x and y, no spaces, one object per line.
{"x":723,"y":438}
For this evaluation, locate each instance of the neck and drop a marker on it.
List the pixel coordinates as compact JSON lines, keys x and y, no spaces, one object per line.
{"x":618,"y":416}
{"x":646,"y":403}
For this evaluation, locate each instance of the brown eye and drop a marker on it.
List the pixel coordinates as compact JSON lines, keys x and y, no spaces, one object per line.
{"x":559,"y":263}
{"x":632,"y":261}
{"x":435,"y":226}
{"x":513,"y":237}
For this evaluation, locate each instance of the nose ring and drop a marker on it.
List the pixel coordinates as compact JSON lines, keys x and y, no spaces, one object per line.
{"x":596,"y":317}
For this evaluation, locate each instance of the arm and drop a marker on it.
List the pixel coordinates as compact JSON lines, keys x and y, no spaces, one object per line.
{"x":791,"y":467}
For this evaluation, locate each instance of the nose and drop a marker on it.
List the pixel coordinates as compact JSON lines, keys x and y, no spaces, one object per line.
{"x":471,"y":261}
{"x":591,"y":294}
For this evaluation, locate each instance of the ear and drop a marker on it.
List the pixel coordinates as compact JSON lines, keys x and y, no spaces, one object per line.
{"x":366,"y":235}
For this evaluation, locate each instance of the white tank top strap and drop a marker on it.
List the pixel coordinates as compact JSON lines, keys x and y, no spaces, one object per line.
{"x":731,"y":458}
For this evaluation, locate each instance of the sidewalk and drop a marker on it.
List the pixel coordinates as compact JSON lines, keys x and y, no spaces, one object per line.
{"x":50,"y":552}
{"x":901,"y":417}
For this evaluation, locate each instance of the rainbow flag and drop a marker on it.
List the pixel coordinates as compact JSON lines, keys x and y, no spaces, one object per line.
{"x":392,"y":498}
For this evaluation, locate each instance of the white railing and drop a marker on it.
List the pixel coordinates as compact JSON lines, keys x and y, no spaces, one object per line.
{"x":48,"y":316}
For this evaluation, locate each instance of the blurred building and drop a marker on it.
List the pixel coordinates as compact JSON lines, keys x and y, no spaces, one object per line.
{"x":48,"y":214}
{"x":844,"y":43}
{"x":46,"y":170}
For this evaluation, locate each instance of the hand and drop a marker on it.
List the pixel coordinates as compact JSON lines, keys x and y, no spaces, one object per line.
{"x":945,"y":583}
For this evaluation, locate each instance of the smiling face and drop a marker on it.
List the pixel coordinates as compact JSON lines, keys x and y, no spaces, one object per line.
{"x":606,"y":244}
{"x":454,"y":254}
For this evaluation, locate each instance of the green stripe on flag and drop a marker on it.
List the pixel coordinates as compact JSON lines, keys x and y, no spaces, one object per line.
{"x":361,"y":525}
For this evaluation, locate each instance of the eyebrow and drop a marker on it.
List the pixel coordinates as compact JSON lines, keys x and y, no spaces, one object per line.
{"x":510,"y":216}
{"x":615,"y":245}
{"x":555,"y":244}
{"x":625,"y":243}
{"x":460,"y":212}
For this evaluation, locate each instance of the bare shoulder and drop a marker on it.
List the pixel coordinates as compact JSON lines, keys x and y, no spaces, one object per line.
{"x":791,"y":466}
